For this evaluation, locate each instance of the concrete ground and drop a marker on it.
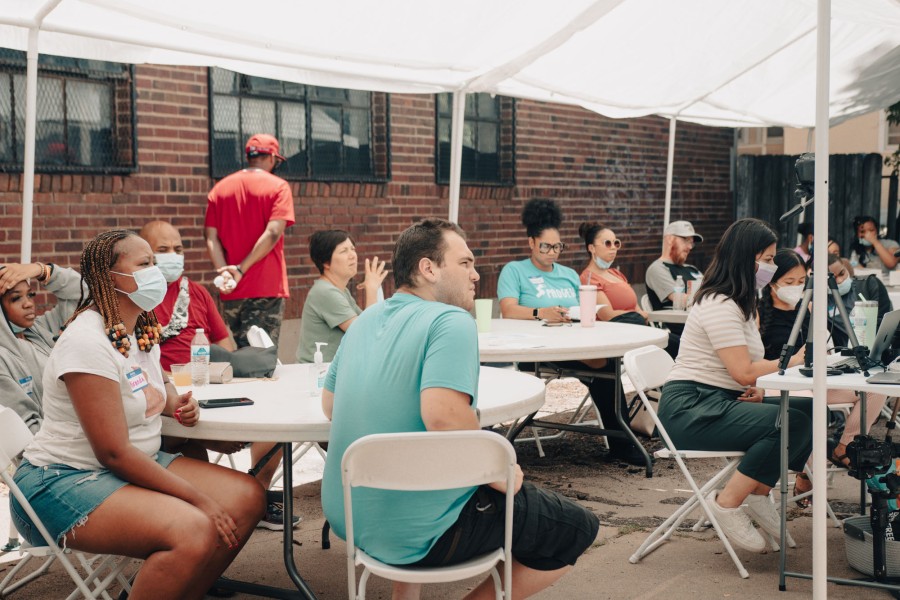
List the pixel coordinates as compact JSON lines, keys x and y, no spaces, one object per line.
{"x":689,"y":566}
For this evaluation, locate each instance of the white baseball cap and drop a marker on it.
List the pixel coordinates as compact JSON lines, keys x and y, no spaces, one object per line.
{"x":682,"y":229}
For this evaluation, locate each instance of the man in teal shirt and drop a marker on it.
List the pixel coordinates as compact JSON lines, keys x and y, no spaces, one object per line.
{"x":411,"y":364}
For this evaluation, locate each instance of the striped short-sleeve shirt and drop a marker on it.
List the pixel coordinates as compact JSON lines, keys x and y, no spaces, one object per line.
{"x":715,"y":323}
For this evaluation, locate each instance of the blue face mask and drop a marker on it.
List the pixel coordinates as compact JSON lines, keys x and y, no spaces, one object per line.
{"x":865,"y":242}
{"x":602,"y":263}
{"x":151,"y":287}
{"x":15,"y":328}
{"x":845,"y":286}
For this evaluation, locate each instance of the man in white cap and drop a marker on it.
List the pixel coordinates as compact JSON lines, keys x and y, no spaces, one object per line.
{"x":246,"y":216}
{"x":678,"y":241}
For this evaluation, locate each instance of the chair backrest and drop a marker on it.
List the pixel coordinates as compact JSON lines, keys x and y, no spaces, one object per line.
{"x":428,"y":460}
{"x":14,"y":436}
{"x":648,"y":368}
{"x":646,"y":305}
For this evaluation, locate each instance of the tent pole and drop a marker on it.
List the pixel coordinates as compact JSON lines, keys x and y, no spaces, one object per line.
{"x":458,"y":112}
{"x":30,"y":134}
{"x":820,"y":269}
{"x":670,"y":162}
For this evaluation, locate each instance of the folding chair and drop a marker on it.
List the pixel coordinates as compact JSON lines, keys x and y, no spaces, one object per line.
{"x":648,"y":369}
{"x":101,"y":570}
{"x":428,"y":461}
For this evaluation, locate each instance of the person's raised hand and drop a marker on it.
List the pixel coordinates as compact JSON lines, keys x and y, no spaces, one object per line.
{"x":11,"y":274}
{"x":375,"y":273}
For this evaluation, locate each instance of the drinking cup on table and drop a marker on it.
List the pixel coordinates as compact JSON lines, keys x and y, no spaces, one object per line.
{"x":181,"y":375}
{"x":587,"y":294}
{"x":483,"y":309}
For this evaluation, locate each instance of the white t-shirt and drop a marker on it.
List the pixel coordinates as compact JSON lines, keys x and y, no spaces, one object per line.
{"x":716,"y":323}
{"x":84,"y":348}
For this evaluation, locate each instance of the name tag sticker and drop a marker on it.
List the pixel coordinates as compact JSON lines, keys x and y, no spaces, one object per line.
{"x":538,"y":280}
{"x":27,"y":384}
{"x":136,"y":380}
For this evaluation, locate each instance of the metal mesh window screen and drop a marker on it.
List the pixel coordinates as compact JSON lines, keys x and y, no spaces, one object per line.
{"x":324,"y":133}
{"x":85,"y":118}
{"x":488,"y":148}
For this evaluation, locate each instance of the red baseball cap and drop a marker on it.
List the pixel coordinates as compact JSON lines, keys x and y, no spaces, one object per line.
{"x":263,"y":143}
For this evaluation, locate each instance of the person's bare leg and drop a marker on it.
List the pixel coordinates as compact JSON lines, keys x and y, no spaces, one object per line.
{"x":738,"y":488}
{"x":183,"y":554}
{"x":525,"y":582}
{"x":401,"y":590}
{"x":265,"y":475}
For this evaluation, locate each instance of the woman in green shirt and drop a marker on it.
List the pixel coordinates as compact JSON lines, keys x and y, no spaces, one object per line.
{"x":330,"y":307}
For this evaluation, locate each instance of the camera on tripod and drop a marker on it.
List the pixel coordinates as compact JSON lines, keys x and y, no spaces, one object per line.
{"x":869,"y":457}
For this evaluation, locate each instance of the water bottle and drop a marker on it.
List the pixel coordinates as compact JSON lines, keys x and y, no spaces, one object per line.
{"x":858,"y":322}
{"x":199,"y":359}
{"x":678,"y":297}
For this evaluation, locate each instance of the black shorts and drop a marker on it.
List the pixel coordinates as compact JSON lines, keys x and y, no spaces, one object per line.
{"x":549,"y":530}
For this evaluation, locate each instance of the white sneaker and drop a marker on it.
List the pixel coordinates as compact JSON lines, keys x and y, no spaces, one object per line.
{"x":736,"y":525}
{"x":762,"y":510}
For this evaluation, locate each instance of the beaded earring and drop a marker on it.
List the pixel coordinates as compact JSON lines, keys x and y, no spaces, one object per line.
{"x":119,"y":338}
{"x":150,"y":336}
{"x":147,"y":336}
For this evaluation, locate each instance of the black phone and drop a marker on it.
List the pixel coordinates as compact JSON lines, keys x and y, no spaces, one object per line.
{"x":222,"y":402}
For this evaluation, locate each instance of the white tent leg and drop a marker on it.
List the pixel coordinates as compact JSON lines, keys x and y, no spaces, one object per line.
{"x":30,"y":134}
{"x":670,"y":163}
{"x":823,"y":64}
{"x":456,"y":133}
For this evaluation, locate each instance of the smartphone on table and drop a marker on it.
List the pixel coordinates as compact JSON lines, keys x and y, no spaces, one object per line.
{"x":222,"y":402}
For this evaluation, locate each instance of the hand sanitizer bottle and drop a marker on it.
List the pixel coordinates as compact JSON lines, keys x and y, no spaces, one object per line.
{"x":319,"y":370}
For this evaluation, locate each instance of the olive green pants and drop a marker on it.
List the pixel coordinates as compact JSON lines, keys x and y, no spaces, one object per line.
{"x":705,"y":417}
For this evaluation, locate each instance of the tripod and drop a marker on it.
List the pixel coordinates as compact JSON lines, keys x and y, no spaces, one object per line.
{"x":860,"y":352}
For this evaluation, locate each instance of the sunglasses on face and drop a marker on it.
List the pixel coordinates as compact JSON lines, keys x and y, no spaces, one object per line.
{"x":613,"y":244}
{"x":545,"y":248}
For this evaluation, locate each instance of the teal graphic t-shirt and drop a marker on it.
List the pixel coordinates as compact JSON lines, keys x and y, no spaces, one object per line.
{"x":534,"y":288}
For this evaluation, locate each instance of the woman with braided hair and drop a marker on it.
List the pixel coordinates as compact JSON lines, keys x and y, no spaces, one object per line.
{"x":94,"y":472}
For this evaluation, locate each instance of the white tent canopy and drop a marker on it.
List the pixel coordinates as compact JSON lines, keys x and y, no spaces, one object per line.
{"x":735,"y":63}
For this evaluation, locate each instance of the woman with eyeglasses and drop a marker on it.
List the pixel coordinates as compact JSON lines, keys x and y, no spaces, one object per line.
{"x":850,"y":289}
{"x":613,"y":290}
{"x":539,"y":287}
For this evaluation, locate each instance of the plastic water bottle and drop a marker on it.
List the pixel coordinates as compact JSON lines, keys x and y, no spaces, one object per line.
{"x":199,"y":359}
{"x":678,"y":298}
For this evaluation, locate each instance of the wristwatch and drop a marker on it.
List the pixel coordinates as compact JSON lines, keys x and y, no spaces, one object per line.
{"x":534,"y":313}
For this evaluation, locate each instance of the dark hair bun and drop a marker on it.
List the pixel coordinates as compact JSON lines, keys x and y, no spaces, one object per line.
{"x":541,"y":213}
{"x":588,"y":231}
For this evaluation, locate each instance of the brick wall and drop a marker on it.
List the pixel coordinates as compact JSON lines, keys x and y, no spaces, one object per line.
{"x":597,"y":168}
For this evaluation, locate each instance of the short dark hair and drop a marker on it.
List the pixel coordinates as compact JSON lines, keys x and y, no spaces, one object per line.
{"x":805,"y":229}
{"x":732,"y":272}
{"x":540,"y":214}
{"x":424,"y":239}
{"x":322,"y":245}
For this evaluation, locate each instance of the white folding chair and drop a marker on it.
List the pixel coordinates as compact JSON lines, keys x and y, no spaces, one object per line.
{"x":647,"y":306}
{"x":648,"y":369}
{"x":428,"y":461}
{"x":101,"y":570}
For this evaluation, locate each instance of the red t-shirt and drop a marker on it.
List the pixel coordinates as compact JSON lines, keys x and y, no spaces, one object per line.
{"x":240,"y":206}
{"x":202,"y":314}
{"x":621,"y":295}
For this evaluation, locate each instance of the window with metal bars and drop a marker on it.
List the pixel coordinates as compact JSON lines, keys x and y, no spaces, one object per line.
{"x":324,"y":133}
{"x":85,"y":115}
{"x":488,"y":148}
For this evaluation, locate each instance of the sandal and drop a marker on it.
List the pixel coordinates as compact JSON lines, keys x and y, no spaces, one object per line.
{"x":841,"y":461}
{"x":805,"y":502}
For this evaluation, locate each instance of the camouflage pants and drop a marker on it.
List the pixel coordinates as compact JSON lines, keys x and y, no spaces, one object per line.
{"x":265,"y":313}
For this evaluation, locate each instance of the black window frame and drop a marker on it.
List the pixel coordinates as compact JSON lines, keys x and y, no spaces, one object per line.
{"x":120,"y":80}
{"x":302,"y":164}
{"x":504,"y":122}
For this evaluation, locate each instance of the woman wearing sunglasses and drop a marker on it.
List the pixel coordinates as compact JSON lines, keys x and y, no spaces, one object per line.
{"x":538,"y":287}
{"x":613,"y":290}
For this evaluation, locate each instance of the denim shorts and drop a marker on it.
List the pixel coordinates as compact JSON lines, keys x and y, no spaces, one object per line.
{"x":549,"y":530}
{"x":63,"y":497}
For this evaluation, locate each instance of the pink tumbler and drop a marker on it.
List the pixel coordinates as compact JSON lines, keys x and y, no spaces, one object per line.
{"x":588,"y":298}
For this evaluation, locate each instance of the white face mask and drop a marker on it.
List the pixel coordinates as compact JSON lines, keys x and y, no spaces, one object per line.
{"x":845,"y":286}
{"x":171,"y":265}
{"x":790,"y":294}
{"x":151,"y":287}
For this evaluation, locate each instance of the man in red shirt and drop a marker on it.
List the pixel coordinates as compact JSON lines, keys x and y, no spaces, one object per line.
{"x":246,"y":215}
{"x":187,"y":305}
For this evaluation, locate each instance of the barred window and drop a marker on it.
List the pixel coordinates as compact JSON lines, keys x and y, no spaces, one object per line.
{"x":85,"y":115}
{"x":324,"y":133}
{"x":487,"y":146}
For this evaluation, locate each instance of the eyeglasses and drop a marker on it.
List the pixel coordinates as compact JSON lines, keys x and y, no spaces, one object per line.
{"x":613,"y":244}
{"x":545,"y":248}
